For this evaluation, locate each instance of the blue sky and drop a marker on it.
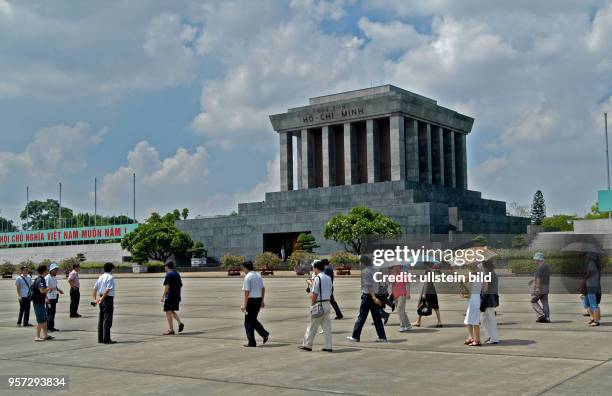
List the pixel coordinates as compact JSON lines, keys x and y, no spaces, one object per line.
{"x":180,"y":92}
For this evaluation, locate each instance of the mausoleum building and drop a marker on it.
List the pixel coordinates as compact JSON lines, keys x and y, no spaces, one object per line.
{"x":383,"y":147}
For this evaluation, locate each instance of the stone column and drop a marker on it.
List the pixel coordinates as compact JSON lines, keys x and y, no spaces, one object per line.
{"x":327,"y":140}
{"x":438,"y":157}
{"x":350,"y":155}
{"x":462,"y":162}
{"x":299,"y":161}
{"x":412,"y":150}
{"x":286,"y":161}
{"x":425,"y":152}
{"x":398,"y":147}
{"x":307,"y":159}
{"x":372,"y":151}
{"x":451,"y":162}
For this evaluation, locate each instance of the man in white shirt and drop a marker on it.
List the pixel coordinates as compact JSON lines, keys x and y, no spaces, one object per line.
{"x":23,"y":283}
{"x":52,"y":296}
{"x":75,"y":294}
{"x":252,"y":301}
{"x":104,"y":295}
{"x":320,"y":293}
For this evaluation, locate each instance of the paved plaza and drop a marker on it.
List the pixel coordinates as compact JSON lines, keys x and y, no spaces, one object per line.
{"x":564,"y":357}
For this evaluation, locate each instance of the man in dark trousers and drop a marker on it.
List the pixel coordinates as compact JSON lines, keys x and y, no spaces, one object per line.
{"x":369,"y":303}
{"x":23,"y":285}
{"x":75,"y":294}
{"x":253,"y":300}
{"x":171,"y":297}
{"x":329,"y":271}
{"x":104,"y":295}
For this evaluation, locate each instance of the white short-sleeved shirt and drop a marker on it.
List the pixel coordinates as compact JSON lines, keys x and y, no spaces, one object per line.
{"x":253,"y":284}
{"x":105,"y":281}
{"x":325,"y":292}
{"x":51,"y":283}
{"x":24,"y":284}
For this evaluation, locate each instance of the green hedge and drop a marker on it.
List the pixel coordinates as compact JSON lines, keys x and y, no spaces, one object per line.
{"x":100,"y":265}
{"x":566,"y":265}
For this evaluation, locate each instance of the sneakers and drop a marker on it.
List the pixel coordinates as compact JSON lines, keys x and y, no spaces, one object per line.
{"x":351,"y":339}
{"x":381,"y":340}
{"x":405,"y":329}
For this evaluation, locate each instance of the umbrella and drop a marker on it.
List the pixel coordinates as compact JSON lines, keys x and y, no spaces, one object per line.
{"x":584,"y":247}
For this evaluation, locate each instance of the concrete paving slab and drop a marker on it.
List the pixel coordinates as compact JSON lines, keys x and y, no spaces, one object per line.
{"x":563,"y":357}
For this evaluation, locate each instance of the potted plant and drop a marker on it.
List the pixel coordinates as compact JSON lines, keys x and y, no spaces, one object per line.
{"x":300,"y":260}
{"x":139,"y":262}
{"x":67,"y":264}
{"x":267,"y":262}
{"x":7,"y":269}
{"x":343,"y":262}
{"x":232,"y":262}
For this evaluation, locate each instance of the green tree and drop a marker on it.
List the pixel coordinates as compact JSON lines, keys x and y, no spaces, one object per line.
{"x":185,"y":213}
{"x":480,"y":240}
{"x":198,"y":250}
{"x":45,"y":214}
{"x":157,"y":239}
{"x":306,"y":242}
{"x":359,"y":223}
{"x":538,"y":208}
{"x":559,"y":222}
{"x":7,"y":225}
{"x":596,"y":214}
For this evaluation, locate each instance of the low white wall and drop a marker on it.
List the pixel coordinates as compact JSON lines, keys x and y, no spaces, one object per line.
{"x":98,"y":252}
{"x":596,"y":226}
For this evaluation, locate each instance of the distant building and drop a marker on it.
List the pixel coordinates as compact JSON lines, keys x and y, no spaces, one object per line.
{"x":383,"y":147}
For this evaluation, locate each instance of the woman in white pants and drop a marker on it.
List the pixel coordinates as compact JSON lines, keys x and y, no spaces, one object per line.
{"x":472,"y":315}
{"x":490,"y":301}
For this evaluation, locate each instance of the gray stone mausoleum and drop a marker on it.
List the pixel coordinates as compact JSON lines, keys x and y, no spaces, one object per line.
{"x":383,"y":147}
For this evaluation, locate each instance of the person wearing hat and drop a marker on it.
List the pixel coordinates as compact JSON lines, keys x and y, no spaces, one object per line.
{"x":104,"y":296}
{"x":52,"y":296}
{"x":23,"y":284}
{"x":541,"y":284}
{"x":75,"y":294}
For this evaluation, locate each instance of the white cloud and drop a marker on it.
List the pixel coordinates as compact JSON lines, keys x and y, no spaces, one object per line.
{"x":162,"y":184}
{"x":63,"y":52}
{"x":57,"y":153}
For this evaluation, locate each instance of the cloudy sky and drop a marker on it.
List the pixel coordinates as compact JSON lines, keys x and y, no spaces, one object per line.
{"x":179,"y":92}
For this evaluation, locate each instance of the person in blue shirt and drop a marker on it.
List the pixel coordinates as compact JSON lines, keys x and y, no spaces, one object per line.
{"x":171,"y":297}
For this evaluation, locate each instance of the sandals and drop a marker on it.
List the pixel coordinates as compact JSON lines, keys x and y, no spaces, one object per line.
{"x":594,"y":324}
{"x":169,"y":333}
{"x":474,"y":343}
{"x":416,"y":325}
{"x":468,"y":341}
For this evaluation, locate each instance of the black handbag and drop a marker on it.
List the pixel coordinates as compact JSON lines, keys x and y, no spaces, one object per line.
{"x":423,"y":309}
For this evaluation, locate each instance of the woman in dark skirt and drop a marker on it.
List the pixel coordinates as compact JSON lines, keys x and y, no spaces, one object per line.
{"x":430,"y":297}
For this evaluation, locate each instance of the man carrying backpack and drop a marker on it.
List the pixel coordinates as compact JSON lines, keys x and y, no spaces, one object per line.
{"x":23,"y":284}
